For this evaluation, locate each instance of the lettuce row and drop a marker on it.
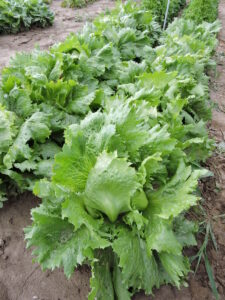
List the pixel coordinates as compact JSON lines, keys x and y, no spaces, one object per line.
{"x":131,"y":119}
{"x":76,"y":77}
{"x":202,"y":11}
{"x":47,"y":91}
{"x":129,"y":170}
{"x":158,"y":8}
{"x":76,"y":3}
{"x":20,"y":15}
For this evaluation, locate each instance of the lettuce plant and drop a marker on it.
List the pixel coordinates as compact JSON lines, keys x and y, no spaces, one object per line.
{"x":158,"y":8}
{"x":108,"y":129}
{"x":20,"y":15}
{"x":202,"y":11}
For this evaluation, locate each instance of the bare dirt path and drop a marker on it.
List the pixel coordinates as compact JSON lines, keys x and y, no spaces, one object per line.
{"x":20,"y":279}
{"x":67,"y":20}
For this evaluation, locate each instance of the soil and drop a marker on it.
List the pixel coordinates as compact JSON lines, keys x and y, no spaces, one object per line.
{"x":20,"y":279}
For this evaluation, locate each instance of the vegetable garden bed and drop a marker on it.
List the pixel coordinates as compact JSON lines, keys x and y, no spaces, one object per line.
{"x":164,"y":92}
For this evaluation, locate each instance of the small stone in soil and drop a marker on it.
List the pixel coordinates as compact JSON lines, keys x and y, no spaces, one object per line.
{"x":2,"y":242}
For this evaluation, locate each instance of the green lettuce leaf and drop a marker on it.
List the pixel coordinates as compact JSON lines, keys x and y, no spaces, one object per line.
{"x":139,"y":269}
{"x":110,"y":186}
{"x":58,"y":244}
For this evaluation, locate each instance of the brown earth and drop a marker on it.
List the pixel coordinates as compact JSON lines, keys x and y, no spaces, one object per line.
{"x":20,"y":279}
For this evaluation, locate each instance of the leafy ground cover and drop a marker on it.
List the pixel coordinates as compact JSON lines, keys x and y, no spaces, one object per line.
{"x":159,"y":8}
{"x":134,"y":115}
{"x":57,"y":88}
{"x":20,"y":15}
{"x":128,"y":171}
{"x":202,"y":10}
{"x":76,"y":3}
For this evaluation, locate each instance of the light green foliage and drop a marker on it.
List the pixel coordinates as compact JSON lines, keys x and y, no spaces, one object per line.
{"x":7,"y":129}
{"x":202,"y":11}
{"x":63,"y":247}
{"x":48,"y":91}
{"x":158,"y":8}
{"x":139,"y":270}
{"x":36,"y":128}
{"x":76,"y":3}
{"x":20,"y":15}
{"x":110,"y":185}
{"x":130,"y":120}
{"x":97,"y":195}
{"x":166,"y":204}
